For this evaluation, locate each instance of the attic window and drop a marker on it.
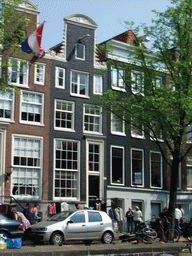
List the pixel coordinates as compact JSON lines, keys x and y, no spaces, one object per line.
{"x":80,"y":51}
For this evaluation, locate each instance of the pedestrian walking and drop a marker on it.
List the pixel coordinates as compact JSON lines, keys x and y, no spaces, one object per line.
{"x":137,"y":217}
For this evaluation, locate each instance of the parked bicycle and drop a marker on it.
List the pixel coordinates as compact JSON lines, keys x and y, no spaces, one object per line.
{"x":144,"y":234}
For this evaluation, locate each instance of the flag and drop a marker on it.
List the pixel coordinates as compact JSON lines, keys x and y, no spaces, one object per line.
{"x":33,"y":42}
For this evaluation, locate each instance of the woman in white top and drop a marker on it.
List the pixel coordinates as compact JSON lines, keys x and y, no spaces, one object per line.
{"x":137,"y":217}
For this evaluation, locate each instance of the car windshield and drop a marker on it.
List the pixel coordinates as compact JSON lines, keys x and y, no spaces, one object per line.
{"x":60,"y":216}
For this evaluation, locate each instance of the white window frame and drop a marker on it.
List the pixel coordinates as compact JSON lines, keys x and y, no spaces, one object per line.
{"x":123,"y":166}
{"x":72,"y":112}
{"x":189,"y":164}
{"x":94,"y":117}
{"x":24,"y":167}
{"x":161,"y":170}
{"x":117,"y":82}
{"x":41,"y":74}
{"x":66,"y":170}
{"x":154,"y":81}
{"x":26,"y":73}
{"x":114,"y":121}
{"x":12,"y":100}
{"x":57,"y":69}
{"x":34,"y":104}
{"x":98,"y":87}
{"x":142,"y":172}
{"x":142,"y":86}
{"x":136,"y":135}
{"x":76,"y":51}
{"x":86,"y":85}
{"x":0,"y":66}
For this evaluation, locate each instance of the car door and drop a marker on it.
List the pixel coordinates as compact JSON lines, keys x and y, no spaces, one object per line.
{"x":95,"y":225}
{"x":76,"y":227}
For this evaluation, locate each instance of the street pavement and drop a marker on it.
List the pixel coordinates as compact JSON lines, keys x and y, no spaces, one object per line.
{"x":156,"y":248}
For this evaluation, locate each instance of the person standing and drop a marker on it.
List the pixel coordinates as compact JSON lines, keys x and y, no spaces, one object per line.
{"x":178,"y":216}
{"x":129,"y":216}
{"x":33,"y":215}
{"x":182,"y":216}
{"x":26,"y":210}
{"x":137,"y":217}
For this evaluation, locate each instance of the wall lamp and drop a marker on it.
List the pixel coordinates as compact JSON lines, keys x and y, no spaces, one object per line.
{"x":8,"y":173}
{"x":84,"y":38}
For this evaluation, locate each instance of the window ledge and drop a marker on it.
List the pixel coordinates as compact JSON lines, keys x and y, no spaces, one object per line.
{"x":31,"y":123}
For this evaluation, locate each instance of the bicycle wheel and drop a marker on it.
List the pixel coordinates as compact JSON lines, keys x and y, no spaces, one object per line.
{"x":172,"y":235}
{"x":150,"y":232}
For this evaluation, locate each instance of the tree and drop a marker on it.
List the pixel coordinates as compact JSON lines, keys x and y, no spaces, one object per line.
{"x":13,"y":24}
{"x":163,"y":111}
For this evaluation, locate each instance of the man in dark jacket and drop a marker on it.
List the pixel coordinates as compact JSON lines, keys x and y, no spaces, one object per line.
{"x":26,"y":210}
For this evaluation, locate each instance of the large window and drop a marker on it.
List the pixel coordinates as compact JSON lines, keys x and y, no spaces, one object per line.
{"x":137,"y":82}
{"x":66,"y":169}
{"x":80,"y":51}
{"x":156,"y":169}
{"x":27,"y":166}
{"x":117,"y":77}
{"x":60,"y":78}
{"x":40,"y":73}
{"x":137,"y":166}
{"x":18,"y":72}
{"x":6,"y":105}
{"x":32,"y":107}
{"x":117,"y":125}
{"x":92,"y":119}
{"x":117,"y":165}
{"x":97,"y":84}
{"x":79,"y":83}
{"x":64,"y":115}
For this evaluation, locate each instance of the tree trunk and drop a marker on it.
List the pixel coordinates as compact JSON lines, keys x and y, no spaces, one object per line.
{"x":173,"y":188}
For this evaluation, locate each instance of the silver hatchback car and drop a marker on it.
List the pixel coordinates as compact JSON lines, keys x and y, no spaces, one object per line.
{"x":84,"y":225}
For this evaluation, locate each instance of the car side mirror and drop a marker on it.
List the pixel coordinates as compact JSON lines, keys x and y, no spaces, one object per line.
{"x":70,"y":221}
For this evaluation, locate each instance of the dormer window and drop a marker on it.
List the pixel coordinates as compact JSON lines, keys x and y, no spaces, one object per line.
{"x":80,"y":51}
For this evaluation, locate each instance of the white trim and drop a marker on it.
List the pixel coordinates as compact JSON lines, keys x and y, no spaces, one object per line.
{"x":41,"y":123}
{"x":57,"y":76}
{"x":161,"y":170}
{"x":100,"y":119}
{"x":77,"y":171}
{"x":141,"y":86}
{"x":123,"y":166}
{"x":101,"y":84}
{"x":33,"y":137}
{"x":73,"y":116}
{"x":43,"y":65}
{"x":86,"y":95}
{"x":77,"y":58}
{"x":12,"y":110}
{"x":142,"y":171}
{"x":117,"y":132}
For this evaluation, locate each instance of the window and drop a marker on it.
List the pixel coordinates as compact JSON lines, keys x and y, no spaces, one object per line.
{"x":94,"y":157}
{"x":117,"y":76}
{"x":137,"y":167}
{"x":189,"y":134}
{"x":64,"y":115}
{"x":40,"y":73}
{"x":156,"y":169}
{"x":117,"y":165}
{"x":189,"y":173}
{"x":78,"y":217}
{"x":66,"y":169}
{"x":32,"y":107}
{"x":97,"y":85}
{"x":156,"y":132}
{"x":60,"y":78}
{"x":6,"y":105}
{"x":80,"y":51}
{"x":18,"y":73}
{"x":92,"y":119}
{"x":27,"y":166}
{"x":137,"y":82}
{"x":137,"y":129}
{"x":79,"y":84}
{"x":94,"y":217}
{"x":117,"y":125}
{"x":0,"y":66}
{"x":157,"y":82}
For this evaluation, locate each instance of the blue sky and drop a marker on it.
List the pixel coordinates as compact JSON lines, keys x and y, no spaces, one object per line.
{"x":109,"y":15}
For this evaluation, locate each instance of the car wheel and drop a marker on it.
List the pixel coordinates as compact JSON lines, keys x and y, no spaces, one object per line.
{"x":107,"y":238}
{"x":3,"y":235}
{"x":56,"y":238}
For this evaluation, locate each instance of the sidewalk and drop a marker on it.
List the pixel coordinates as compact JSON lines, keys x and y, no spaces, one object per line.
{"x":97,"y":248}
